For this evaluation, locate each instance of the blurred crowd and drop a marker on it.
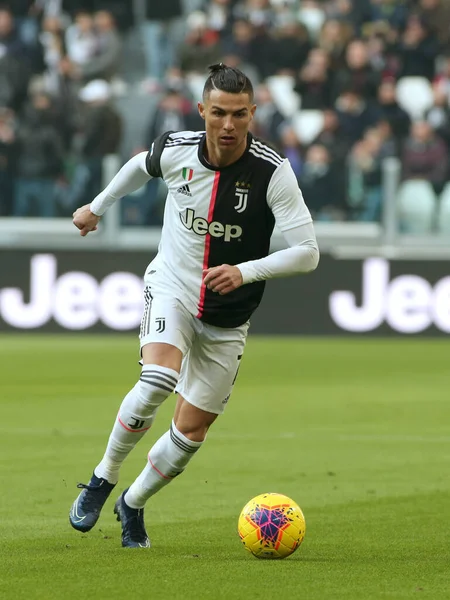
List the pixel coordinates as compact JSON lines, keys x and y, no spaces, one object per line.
{"x":62,"y":67}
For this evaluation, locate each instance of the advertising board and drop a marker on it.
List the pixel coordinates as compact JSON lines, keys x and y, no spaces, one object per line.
{"x":102,"y":291}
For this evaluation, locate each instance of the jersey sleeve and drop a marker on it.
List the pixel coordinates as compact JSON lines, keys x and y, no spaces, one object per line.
{"x":153,"y":162}
{"x":130,"y":178}
{"x":285,"y":199}
{"x":302,"y":256}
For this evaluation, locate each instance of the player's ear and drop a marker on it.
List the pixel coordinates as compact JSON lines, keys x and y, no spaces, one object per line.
{"x":201,"y":109}
{"x":252,"y":111}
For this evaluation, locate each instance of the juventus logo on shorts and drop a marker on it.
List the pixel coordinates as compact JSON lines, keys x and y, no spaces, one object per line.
{"x":161,"y":323}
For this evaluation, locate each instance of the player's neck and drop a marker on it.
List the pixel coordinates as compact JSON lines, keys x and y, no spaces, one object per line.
{"x":218,"y":157}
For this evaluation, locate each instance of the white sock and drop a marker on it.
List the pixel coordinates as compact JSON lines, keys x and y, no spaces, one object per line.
{"x":136,"y":415}
{"x":167,"y":459}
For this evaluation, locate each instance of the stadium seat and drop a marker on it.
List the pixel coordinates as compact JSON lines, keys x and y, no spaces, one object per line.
{"x":415,"y":95}
{"x":307,"y":125}
{"x":195,"y":84}
{"x":282,"y":89}
{"x":313,"y":19}
{"x":416,"y":206}
{"x":444,"y":210}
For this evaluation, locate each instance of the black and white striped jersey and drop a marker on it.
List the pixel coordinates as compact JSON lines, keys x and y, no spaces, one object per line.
{"x":217,"y":216}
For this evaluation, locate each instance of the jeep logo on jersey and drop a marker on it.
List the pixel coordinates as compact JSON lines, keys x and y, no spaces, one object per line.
{"x":201,"y":226}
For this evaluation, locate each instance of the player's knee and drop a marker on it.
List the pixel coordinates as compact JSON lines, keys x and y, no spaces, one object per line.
{"x":196,"y":432}
{"x":156,"y":383}
{"x":199,"y":435}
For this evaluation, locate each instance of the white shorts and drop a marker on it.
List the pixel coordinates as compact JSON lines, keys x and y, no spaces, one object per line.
{"x":211,"y":355}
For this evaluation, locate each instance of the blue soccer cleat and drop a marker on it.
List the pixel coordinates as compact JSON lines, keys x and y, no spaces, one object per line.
{"x":132,"y":521}
{"x":86,"y":509}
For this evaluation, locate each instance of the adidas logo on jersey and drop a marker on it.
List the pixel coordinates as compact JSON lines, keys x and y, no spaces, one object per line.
{"x":201,"y":226}
{"x":184,"y":189}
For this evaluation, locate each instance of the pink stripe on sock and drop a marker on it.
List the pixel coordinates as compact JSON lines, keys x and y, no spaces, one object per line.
{"x":157,"y":470}
{"x":132,"y":430}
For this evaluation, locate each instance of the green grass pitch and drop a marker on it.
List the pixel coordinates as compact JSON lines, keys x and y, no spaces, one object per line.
{"x":356,"y":431}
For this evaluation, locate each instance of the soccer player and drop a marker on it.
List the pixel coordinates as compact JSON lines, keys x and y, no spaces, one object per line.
{"x":226,"y":190}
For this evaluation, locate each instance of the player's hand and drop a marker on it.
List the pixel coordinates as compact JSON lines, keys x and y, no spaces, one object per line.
{"x":85,"y":220}
{"x":223,"y":279}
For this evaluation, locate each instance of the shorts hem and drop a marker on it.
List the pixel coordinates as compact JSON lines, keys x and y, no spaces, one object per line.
{"x":197,"y":405}
{"x":149,"y":339}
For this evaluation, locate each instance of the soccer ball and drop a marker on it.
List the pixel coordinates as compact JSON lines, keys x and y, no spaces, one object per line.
{"x":271,"y":526}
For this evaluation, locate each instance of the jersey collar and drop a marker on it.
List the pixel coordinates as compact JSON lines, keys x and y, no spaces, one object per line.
{"x":205,"y":163}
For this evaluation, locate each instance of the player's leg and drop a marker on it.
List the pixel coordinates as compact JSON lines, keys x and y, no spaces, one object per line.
{"x":207,"y":378}
{"x":168,"y":458}
{"x":170,"y":455}
{"x":166,"y":333}
{"x":158,"y":378}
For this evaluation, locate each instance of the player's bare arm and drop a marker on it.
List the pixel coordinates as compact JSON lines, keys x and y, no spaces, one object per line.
{"x":85,"y":220}
{"x":222,"y":279}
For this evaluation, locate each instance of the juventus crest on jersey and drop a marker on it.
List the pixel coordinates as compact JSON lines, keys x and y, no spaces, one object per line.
{"x":217,"y":216}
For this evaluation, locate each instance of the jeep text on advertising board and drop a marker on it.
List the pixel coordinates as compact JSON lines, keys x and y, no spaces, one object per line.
{"x":408,"y":303}
{"x":75,"y":300}
{"x":103,"y":292}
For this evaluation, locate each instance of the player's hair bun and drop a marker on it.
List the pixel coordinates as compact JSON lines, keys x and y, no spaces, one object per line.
{"x":217,"y":67}
{"x":225,"y":78}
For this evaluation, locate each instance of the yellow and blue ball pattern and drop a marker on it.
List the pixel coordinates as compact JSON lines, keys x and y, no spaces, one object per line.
{"x":271,"y":526}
